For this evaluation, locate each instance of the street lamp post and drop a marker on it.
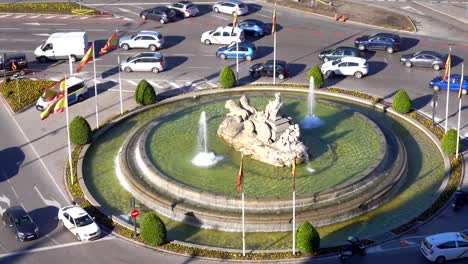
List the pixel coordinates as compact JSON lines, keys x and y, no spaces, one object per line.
{"x":17,"y":77}
{"x":435,"y":97}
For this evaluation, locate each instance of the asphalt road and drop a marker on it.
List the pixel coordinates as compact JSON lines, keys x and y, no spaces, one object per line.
{"x":32,"y":152}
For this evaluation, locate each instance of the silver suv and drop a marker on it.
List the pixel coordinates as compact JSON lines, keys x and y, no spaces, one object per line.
{"x":151,"y":40}
{"x":147,"y":61}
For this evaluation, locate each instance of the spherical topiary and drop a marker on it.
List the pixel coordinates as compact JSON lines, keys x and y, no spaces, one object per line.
{"x":307,"y":238}
{"x":401,"y":102}
{"x":449,"y":141}
{"x":227,"y":79}
{"x":317,"y":74}
{"x":144,"y":93}
{"x":80,"y":131}
{"x":152,"y":230}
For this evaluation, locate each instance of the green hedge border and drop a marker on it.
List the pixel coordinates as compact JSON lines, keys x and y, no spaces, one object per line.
{"x":60,"y":8}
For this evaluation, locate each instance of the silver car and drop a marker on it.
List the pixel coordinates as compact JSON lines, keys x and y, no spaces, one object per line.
{"x":231,"y":7}
{"x":151,"y":40}
{"x":185,"y":9}
{"x":147,"y":61}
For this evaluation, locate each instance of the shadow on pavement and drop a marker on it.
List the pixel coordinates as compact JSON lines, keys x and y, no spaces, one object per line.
{"x":174,"y":61}
{"x":10,"y":160}
{"x":421,"y":101}
{"x":171,"y":41}
{"x":45,"y":218}
{"x":375,"y":67}
{"x":408,"y":43}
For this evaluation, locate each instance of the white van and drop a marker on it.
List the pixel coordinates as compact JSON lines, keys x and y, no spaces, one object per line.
{"x":76,"y":89}
{"x":60,"y":45}
{"x":223,"y":35}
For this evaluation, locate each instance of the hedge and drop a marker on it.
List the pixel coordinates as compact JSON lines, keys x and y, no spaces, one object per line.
{"x":29,"y":92}
{"x":227,"y":79}
{"x":317,"y":74}
{"x":401,"y":102}
{"x":80,"y":131}
{"x":308,"y":239}
{"x":152,"y":230}
{"x":449,"y":142}
{"x":49,"y":8}
{"x":144,"y":93}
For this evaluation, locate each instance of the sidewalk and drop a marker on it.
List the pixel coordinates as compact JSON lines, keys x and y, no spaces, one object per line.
{"x":456,"y":11}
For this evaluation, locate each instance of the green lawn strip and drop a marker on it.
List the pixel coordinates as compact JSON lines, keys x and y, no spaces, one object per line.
{"x":29,"y":92}
{"x":50,"y":8}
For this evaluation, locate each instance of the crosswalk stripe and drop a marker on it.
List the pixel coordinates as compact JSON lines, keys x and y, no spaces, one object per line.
{"x":20,"y":16}
{"x":5,"y":15}
{"x":132,"y":82}
{"x":212,"y":84}
{"x":35,"y":16}
{"x":50,"y":16}
{"x":174,"y":84}
{"x":155,"y":84}
{"x":84,"y":18}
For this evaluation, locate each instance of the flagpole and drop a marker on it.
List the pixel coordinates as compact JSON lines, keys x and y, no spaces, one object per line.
{"x":459,"y":112}
{"x":237,"y":62}
{"x":274,"y":56}
{"x":68,"y":132}
{"x":243,"y":220}
{"x":95,"y":86}
{"x":294,"y":207}
{"x":71,"y":64}
{"x":120,"y":86}
{"x":448,"y":89}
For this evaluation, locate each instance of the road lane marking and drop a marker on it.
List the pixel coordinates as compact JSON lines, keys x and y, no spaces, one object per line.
{"x":5,"y":15}
{"x":132,"y":82}
{"x":123,"y":91}
{"x":20,"y":16}
{"x":212,"y":84}
{"x":84,"y":18}
{"x":53,"y":240}
{"x":174,"y":84}
{"x":198,"y":67}
{"x":262,"y":15}
{"x":129,"y":11}
{"x":223,"y":18}
{"x":47,"y":202}
{"x":154,"y":84}
{"x":412,"y":9}
{"x":50,"y":16}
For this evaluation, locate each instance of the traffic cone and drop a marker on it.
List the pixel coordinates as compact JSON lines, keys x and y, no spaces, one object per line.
{"x":403,"y":243}
{"x":343,"y":18}
{"x":337,"y":17}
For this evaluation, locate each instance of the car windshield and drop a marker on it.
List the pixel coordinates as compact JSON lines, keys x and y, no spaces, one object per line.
{"x":190,"y":6}
{"x":336,"y":62}
{"x":242,"y":6}
{"x":133,"y":36}
{"x":465,"y":237}
{"x":83,"y":221}
{"x":231,"y":45}
{"x":23,"y":220}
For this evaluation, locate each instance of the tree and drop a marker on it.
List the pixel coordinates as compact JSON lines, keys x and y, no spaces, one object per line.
{"x":308,"y":239}
{"x":152,"y":230}
{"x":449,"y":142}
{"x":227,"y":79}
{"x":80,"y":131}
{"x":401,"y":102}
{"x":317,"y":74}
{"x":144,"y":93}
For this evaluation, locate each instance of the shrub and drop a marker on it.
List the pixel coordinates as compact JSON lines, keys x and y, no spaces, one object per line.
{"x":401,"y":102}
{"x":317,"y":74}
{"x":449,"y":141}
{"x":307,"y":238}
{"x":227,"y":79}
{"x":29,"y":91}
{"x":152,"y":230}
{"x":144,"y":93}
{"x":80,"y":131}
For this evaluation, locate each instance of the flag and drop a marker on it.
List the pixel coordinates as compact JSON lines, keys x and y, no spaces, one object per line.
{"x":460,"y":92}
{"x":13,"y":66}
{"x":111,"y":44}
{"x":447,"y":66}
{"x":240,"y":174}
{"x":273,"y":22}
{"x":293,"y":173}
{"x":234,"y":23}
{"x":59,"y":103}
{"x":49,"y":96}
{"x":51,"y":107}
{"x":87,"y":58}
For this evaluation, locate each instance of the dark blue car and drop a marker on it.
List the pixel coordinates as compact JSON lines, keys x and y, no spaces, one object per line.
{"x":380,"y":41}
{"x":253,"y":27}
{"x":246,"y":51}
{"x":437,"y":84}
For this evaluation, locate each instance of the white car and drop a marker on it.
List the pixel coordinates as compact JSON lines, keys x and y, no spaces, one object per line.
{"x":346,"y":66}
{"x":231,"y":7}
{"x":151,"y":40}
{"x":445,"y":246}
{"x":223,"y":36}
{"x":146,"y":61}
{"x":185,"y":8}
{"x":80,"y":223}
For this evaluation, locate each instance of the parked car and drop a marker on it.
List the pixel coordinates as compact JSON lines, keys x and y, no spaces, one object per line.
{"x":151,"y":40}
{"x":445,"y":246}
{"x":185,"y":9}
{"x":79,"y":222}
{"x":338,"y":53}
{"x":430,"y":59}
{"x":439,"y":84}
{"x":12,"y":64}
{"x":246,"y":51}
{"x":266,"y":69}
{"x":62,"y":46}
{"x":76,"y":89}
{"x":148,"y":61}
{"x":348,"y":66}
{"x":380,"y":41}
{"x":231,"y":7}
{"x":254,"y":27}
{"x":223,"y":35}
{"x":18,"y":221}
{"x":161,"y":13}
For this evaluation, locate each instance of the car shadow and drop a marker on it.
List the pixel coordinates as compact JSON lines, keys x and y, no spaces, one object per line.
{"x":375,"y":67}
{"x":368,"y":54}
{"x":171,"y":41}
{"x":101,"y":87}
{"x":109,"y":72}
{"x":11,"y":159}
{"x":295,"y":69}
{"x":408,"y":43}
{"x":174,"y":61}
{"x":174,"y":92}
{"x":204,"y":9}
{"x":45,"y":219}
{"x":263,"y":51}
{"x":455,"y":60}
{"x":333,"y":80}
{"x":253,"y":8}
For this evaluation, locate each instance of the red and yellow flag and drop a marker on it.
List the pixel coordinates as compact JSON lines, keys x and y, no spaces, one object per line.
{"x":460,"y":92}
{"x":234,"y":22}
{"x":293,"y":173}
{"x":447,"y":66}
{"x":273,"y":22}
{"x":13,"y":66}
{"x":87,"y":58}
{"x":51,"y":107}
{"x":111,"y":44}
{"x":50,"y":95}
{"x":240,"y":174}
{"x":59,"y":102}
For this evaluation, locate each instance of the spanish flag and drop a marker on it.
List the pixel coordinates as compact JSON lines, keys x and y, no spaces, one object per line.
{"x":59,"y":102}
{"x":273,"y":22}
{"x":111,"y":44}
{"x":87,"y":58}
{"x":460,"y":92}
{"x":50,"y":95}
{"x":293,"y":173}
{"x":447,"y":65}
{"x":13,"y":65}
{"x":240,"y":174}
{"x":234,"y":22}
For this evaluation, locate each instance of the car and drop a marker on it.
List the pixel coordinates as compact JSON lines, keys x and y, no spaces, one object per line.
{"x":18,"y":221}
{"x":254,"y":27}
{"x":266,"y":69}
{"x":246,"y":51}
{"x":151,"y":40}
{"x":338,"y":53}
{"x":185,"y":9}
{"x":380,"y":41}
{"x":79,"y":222}
{"x":161,"y":13}
{"x":13,"y":64}
{"x":430,"y":59}
{"x":445,"y":246}
{"x":345,"y":66}
{"x":231,"y":7}
{"x":223,"y":35}
{"x":148,"y":61}
{"x":439,"y":84}
{"x":76,"y":89}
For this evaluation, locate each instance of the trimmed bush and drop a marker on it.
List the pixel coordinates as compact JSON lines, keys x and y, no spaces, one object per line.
{"x":317,"y":74}
{"x":401,"y":102}
{"x":144,"y":93}
{"x":152,"y":230}
{"x":227,"y":79}
{"x":449,"y":142}
{"x":307,"y":238}
{"x":80,"y":131}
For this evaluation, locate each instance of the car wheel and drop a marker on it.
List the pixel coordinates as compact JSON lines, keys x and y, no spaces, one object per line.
{"x":78,"y":237}
{"x":358,"y":74}
{"x":73,"y":58}
{"x":153,"y":47}
{"x":389,"y":50}
{"x":162,"y":21}
{"x":464,"y":92}
{"x":440,"y":259}
{"x":249,"y":58}
{"x":42,"y":59}
{"x":436,"y":67}
{"x":143,"y":17}
{"x":408,"y":64}
{"x":128,"y":69}
{"x":361,"y":47}
{"x":281,"y":76}
{"x":80,"y":98}
{"x":216,"y":10}
{"x":222,"y":56}
{"x":155,"y":70}
{"x":207,"y":42}
{"x":125,"y":47}
{"x":436,"y":88}
{"x":326,"y":59}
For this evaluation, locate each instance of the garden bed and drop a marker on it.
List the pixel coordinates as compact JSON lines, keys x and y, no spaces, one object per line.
{"x":51,"y":8}
{"x":20,"y":94}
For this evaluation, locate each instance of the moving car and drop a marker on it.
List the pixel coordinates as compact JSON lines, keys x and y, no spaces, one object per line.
{"x":338,"y":53}
{"x":12,"y":64}
{"x":62,"y":44}
{"x":231,"y":7}
{"x":184,"y":9}
{"x":80,"y":223}
{"x":380,"y":41}
{"x":445,"y":246}
{"x":439,"y":84}
{"x":18,"y":221}
{"x":76,"y":89}
{"x":246,"y":51}
{"x":430,"y":59}
{"x":254,"y":27}
{"x":151,"y":40}
{"x":223,"y":35}
{"x":266,"y":69}
{"x":346,"y":66}
{"x":147,"y":61}
{"x":161,"y":13}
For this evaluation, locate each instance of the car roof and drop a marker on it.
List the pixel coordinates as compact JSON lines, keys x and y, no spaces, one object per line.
{"x":73,"y":80}
{"x":75,"y":211}
{"x":148,"y":55}
{"x":345,"y":48}
{"x":185,"y":2}
{"x":13,"y":57}
{"x":161,"y":8}
{"x":144,"y":32}
{"x":389,"y":35}
{"x":228,"y":28}
{"x":253,"y":21}
{"x":429,"y":52}
{"x":278,"y":62}
{"x":16,"y":211}
{"x":353,"y":59}
{"x":443,"y":237}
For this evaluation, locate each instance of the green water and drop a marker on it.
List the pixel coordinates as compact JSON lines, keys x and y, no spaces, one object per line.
{"x":425,"y":174}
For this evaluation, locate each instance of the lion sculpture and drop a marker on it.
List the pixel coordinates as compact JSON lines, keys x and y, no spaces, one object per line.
{"x":235,"y":110}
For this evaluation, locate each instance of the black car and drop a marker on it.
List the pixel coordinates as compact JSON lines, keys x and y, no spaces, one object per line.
{"x":266,"y":69}
{"x":20,"y":223}
{"x":338,"y":53}
{"x":161,"y":13}
{"x":12,"y":64}
{"x":380,"y":41}
{"x":430,"y":59}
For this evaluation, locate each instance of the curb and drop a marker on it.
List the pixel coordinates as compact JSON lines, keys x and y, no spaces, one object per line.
{"x":440,"y":12}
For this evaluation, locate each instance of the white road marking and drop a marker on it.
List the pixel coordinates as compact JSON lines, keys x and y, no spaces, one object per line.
{"x":154,"y":84}
{"x":270,"y":11}
{"x":412,"y":9}
{"x":53,"y":240}
{"x":223,"y":18}
{"x":128,"y":11}
{"x":132,"y":82}
{"x":50,"y":16}
{"x":123,"y":91}
{"x":212,"y":84}
{"x":84,"y":18}
{"x":258,"y":14}
{"x":198,"y":67}
{"x":47,"y":202}
{"x":9,"y":28}
{"x":20,"y":16}
{"x":42,"y":34}
{"x":5,"y":15}
{"x":174,"y":84}
{"x":5,"y":200}
{"x":152,"y":4}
